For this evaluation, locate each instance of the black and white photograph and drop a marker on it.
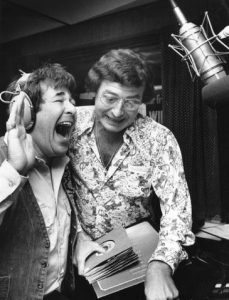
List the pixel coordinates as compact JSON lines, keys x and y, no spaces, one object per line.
{"x":114,"y":149}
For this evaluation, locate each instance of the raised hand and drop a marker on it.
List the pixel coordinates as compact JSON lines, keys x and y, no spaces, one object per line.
{"x":21,"y":153}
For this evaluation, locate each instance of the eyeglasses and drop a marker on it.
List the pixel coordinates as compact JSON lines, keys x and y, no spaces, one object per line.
{"x":128,"y":104}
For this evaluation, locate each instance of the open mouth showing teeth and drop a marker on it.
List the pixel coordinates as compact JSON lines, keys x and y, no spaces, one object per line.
{"x":64,"y":128}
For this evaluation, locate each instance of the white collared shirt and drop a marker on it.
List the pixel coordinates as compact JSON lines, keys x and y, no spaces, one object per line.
{"x":55,"y":208}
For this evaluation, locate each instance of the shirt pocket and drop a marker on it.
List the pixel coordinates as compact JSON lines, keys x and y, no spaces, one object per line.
{"x":140,"y":169}
{"x":4,"y":287}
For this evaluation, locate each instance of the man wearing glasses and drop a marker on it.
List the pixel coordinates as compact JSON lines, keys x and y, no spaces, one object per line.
{"x":118,"y":157}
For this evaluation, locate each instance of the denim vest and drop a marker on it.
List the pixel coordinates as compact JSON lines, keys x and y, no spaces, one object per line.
{"x":24,"y":247}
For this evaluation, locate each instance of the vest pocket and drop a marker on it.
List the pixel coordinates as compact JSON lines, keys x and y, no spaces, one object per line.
{"x":4,"y":287}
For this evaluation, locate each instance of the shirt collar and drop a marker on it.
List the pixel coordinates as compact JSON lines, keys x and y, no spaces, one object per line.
{"x":5,"y":138}
{"x":130,"y":133}
{"x":86,"y":125}
{"x":60,"y":161}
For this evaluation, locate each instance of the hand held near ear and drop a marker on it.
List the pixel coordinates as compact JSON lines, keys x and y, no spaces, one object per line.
{"x":20,"y":145}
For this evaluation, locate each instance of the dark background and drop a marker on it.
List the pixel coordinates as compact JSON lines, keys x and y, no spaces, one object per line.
{"x":77,"y":33}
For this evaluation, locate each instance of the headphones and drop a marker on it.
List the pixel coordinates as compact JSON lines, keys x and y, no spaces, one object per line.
{"x":29,"y":112}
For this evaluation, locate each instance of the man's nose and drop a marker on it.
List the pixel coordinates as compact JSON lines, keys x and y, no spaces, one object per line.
{"x":118,"y":109}
{"x":69,"y":107}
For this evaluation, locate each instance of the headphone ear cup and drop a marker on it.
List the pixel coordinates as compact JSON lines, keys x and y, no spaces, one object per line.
{"x":29,"y":114}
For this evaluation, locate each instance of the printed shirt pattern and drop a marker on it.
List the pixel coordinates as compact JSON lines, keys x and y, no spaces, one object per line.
{"x":149,"y":158}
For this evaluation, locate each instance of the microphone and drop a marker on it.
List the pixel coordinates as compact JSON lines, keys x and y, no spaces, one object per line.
{"x":216,"y":93}
{"x":196,"y":49}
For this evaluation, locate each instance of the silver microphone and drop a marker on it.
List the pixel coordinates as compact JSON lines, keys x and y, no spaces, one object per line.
{"x":196,"y":49}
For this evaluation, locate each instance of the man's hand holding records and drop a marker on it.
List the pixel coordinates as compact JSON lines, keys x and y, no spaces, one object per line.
{"x":84,"y":248}
{"x":121,"y":260}
{"x":117,"y":255}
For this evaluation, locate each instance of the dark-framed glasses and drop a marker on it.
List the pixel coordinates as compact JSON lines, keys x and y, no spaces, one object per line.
{"x":128,"y":104}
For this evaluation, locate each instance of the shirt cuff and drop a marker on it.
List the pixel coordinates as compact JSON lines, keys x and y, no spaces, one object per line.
{"x":10,"y":180}
{"x":169,"y":252}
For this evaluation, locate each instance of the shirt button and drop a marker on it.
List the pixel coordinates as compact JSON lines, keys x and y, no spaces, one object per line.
{"x":47,"y":244}
{"x":11,"y":183}
{"x":44,"y":264}
{"x":40,"y":286}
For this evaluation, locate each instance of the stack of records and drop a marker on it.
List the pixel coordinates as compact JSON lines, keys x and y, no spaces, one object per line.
{"x":144,"y":239}
{"x":119,"y":255}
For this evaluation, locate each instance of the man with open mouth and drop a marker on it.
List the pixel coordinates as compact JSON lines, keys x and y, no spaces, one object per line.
{"x":37,"y":217}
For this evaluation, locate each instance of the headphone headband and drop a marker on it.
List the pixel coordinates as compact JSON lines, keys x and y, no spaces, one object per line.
{"x":29,"y":112}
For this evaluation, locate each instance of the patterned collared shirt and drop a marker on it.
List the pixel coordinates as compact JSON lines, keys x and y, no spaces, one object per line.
{"x":149,"y":158}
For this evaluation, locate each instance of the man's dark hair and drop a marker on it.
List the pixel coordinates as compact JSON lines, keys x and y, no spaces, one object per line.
{"x":124,"y":66}
{"x":55,"y":73}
